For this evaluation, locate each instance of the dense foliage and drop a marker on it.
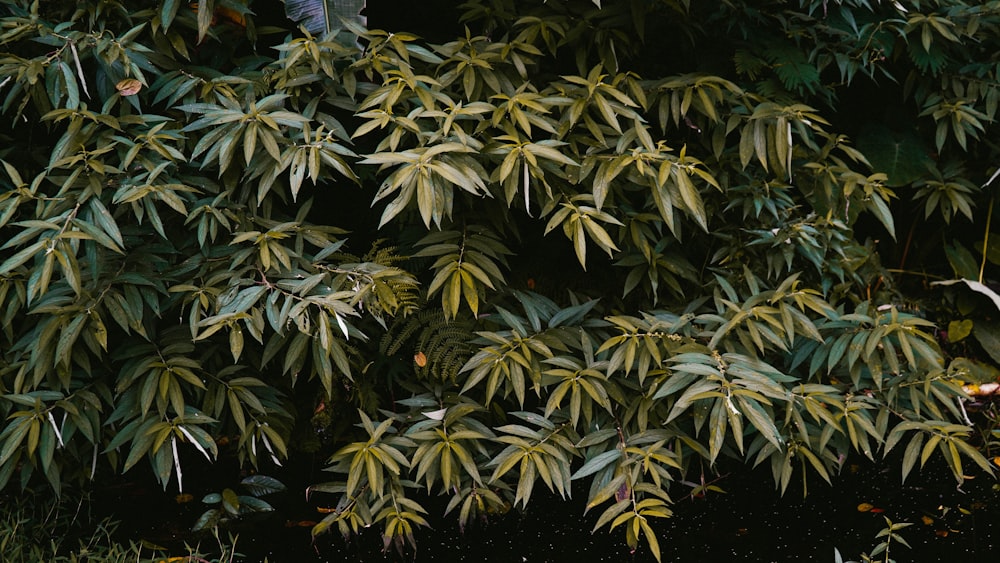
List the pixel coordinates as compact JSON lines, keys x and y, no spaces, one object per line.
{"x":611,"y":244}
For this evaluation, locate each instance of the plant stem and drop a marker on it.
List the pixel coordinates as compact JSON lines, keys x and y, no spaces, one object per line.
{"x":986,"y":239}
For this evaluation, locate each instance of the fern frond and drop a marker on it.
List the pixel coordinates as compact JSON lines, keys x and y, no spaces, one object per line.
{"x":446,"y":348}
{"x":796,"y":72}
{"x":748,"y":64}
{"x":440,"y":347}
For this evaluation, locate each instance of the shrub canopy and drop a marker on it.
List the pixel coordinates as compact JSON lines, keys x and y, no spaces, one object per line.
{"x":569,"y":242}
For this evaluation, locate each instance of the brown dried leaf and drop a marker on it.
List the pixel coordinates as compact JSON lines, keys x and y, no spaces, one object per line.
{"x":128,"y":87}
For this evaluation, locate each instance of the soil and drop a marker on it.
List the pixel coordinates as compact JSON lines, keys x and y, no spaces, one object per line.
{"x":750,"y":522}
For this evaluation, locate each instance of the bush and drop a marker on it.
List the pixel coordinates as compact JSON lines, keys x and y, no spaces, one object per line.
{"x":610,"y":244}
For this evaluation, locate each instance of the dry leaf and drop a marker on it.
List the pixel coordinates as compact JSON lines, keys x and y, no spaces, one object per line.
{"x":436,"y":415}
{"x":623,"y":492}
{"x":128,"y":87}
{"x":231,"y":15}
{"x":420,"y":359}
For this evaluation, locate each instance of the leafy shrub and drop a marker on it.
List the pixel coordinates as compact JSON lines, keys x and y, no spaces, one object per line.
{"x":229,"y":505}
{"x":883,"y":547}
{"x":601,"y":257}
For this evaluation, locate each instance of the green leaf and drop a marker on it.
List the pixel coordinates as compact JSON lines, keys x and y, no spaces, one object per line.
{"x":572,"y":315}
{"x":320,"y":17}
{"x":72,"y":89}
{"x":901,"y":155}
{"x":231,"y":502}
{"x":691,"y":198}
{"x":13,"y":437}
{"x":98,"y":235}
{"x":614,"y":510}
{"x":988,"y":335}
{"x":206,"y":11}
{"x":958,"y":330}
{"x":22,"y":256}
{"x":253,"y":504}
{"x":260,"y":485}
{"x":700,"y":390}
{"x":598,"y":463}
{"x":168,"y":11}
{"x":208,"y":520}
{"x":243,"y":300}
{"x":880,"y":208}
{"x":654,"y":544}
{"x":962,"y":262}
